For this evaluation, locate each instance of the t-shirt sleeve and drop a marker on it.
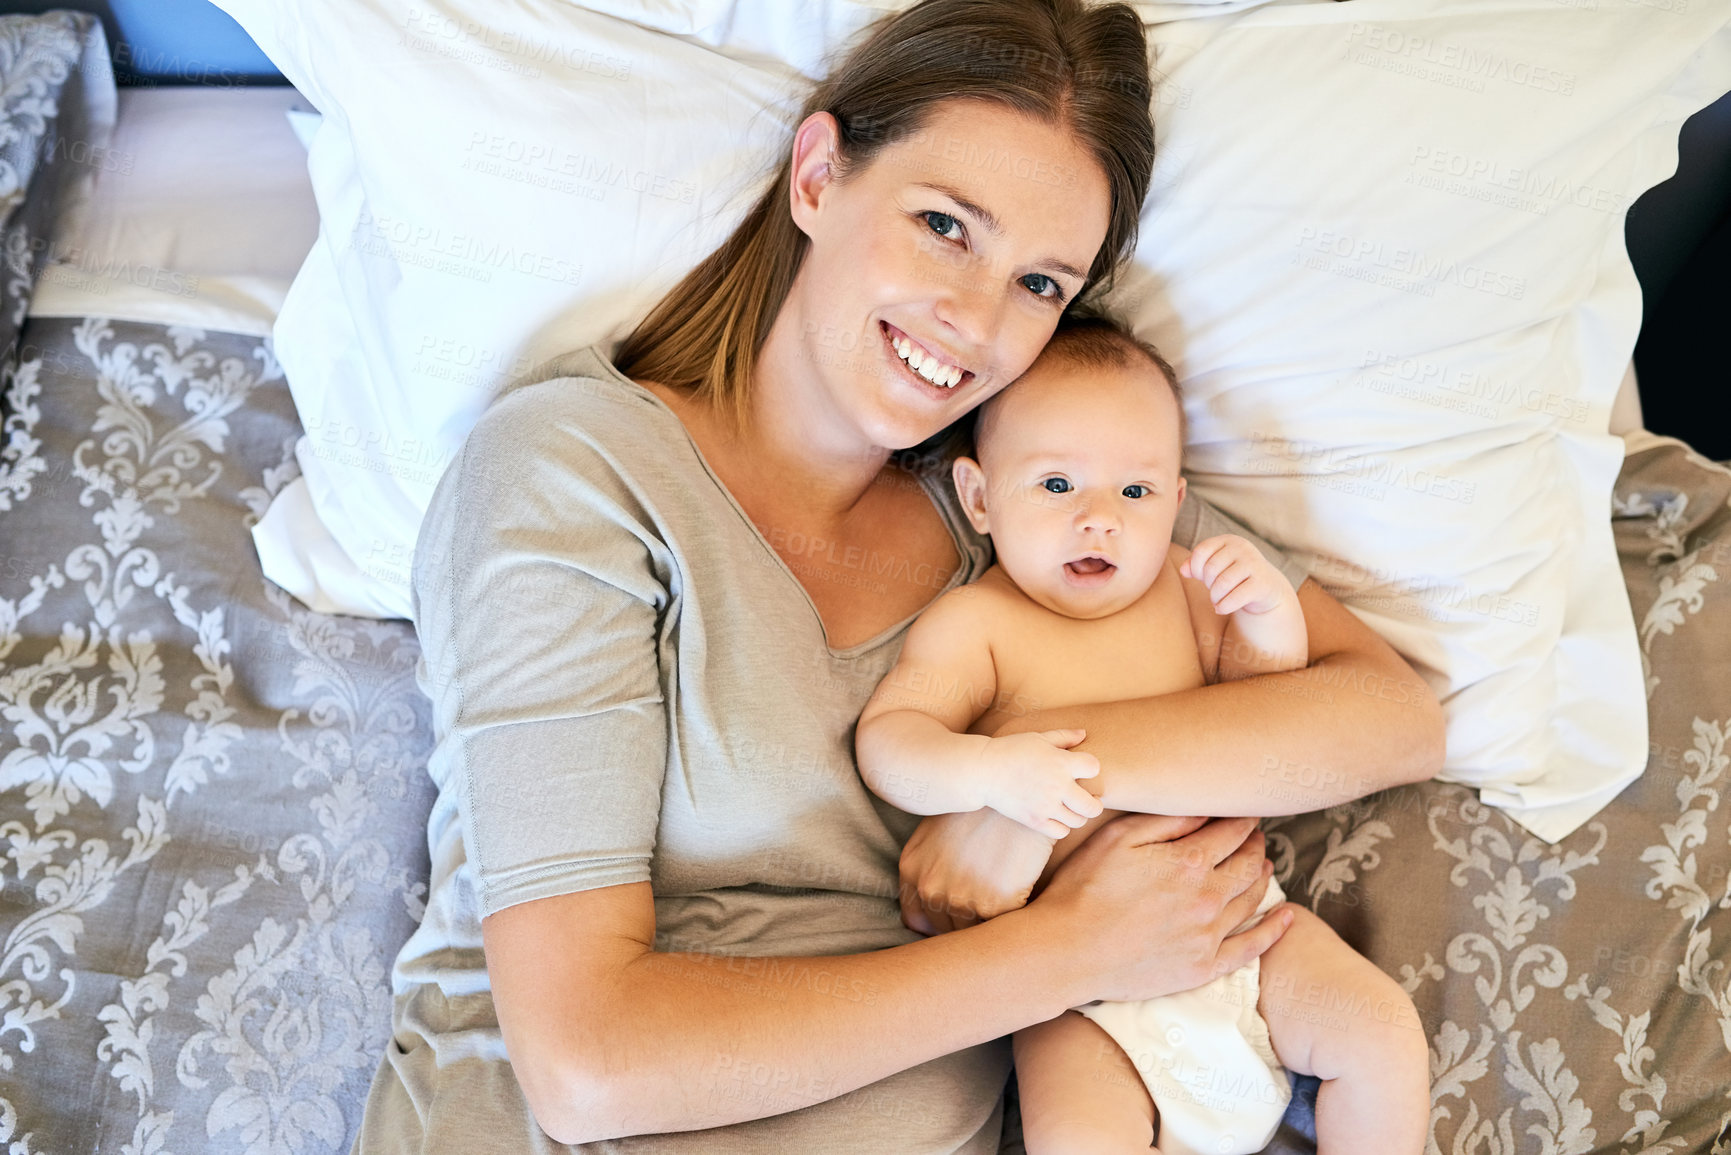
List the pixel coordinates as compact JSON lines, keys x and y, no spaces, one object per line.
{"x":540,"y":590}
{"x":1198,"y":521}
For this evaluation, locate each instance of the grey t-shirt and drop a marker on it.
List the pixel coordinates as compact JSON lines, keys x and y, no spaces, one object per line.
{"x":630,"y":684}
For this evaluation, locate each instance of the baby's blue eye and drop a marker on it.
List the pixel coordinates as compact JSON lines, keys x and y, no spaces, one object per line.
{"x":1135,"y":491}
{"x":1056,"y":485}
{"x":939,"y":223}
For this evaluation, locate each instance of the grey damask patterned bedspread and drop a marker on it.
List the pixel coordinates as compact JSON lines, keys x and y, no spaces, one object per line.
{"x":212,"y":802}
{"x":213,"y":806}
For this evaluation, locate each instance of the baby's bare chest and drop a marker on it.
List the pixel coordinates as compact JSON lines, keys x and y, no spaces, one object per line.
{"x":1045,"y":660}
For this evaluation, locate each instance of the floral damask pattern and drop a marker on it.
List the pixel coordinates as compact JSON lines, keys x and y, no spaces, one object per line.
{"x":212,"y":801}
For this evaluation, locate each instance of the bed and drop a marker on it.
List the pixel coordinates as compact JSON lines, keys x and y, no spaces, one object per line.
{"x":213,"y":800}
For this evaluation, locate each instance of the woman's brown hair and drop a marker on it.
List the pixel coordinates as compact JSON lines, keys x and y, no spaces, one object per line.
{"x":1067,"y":62}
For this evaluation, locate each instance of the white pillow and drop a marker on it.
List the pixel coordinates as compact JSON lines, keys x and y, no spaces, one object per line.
{"x":498,"y":186}
{"x":1385,"y":254}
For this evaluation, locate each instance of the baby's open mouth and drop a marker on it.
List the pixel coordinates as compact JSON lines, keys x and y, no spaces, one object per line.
{"x":1089,"y":565}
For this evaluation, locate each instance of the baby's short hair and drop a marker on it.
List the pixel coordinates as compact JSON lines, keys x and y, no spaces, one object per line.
{"x":1097,"y":341}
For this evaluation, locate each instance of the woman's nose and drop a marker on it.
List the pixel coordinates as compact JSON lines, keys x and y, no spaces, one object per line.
{"x":968,"y":304}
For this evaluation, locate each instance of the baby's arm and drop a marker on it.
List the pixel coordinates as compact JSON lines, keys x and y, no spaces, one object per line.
{"x":912,"y":744}
{"x":1259,"y":627}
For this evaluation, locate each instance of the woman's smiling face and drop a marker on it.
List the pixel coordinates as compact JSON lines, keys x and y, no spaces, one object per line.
{"x":937,"y":271}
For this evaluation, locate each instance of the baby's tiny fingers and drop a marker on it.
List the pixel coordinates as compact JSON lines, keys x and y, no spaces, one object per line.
{"x":1229,"y":556}
{"x":1064,"y":739}
{"x":1229,"y":579}
{"x":1199,"y":554}
{"x":1255,"y":597}
{"x":1084,"y":805}
{"x":1197,"y":563}
{"x":1232,"y":603}
{"x":1071,"y":819}
{"x":1237,"y":595}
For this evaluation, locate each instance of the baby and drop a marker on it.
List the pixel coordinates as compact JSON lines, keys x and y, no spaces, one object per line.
{"x":1077,"y":480}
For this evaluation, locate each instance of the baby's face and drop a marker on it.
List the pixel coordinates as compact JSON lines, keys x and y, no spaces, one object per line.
{"x":1078,"y":484}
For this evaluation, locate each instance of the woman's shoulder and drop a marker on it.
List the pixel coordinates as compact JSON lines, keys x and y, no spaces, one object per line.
{"x":575,"y":394}
{"x":577,"y":468}
{"x":576,"y":421}
{"x":578,"y":457}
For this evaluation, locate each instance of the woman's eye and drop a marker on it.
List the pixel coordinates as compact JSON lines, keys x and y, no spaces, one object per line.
{"x":1040,"y":283}
{"x":940,"y":224}
{"x":1037,"y":283}
{"x":1135,"y":491}
{"x":1055,"y":485}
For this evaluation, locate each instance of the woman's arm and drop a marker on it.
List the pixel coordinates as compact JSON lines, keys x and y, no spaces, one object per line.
{"x":1354,"y":721}
{"x":609,"y":1037}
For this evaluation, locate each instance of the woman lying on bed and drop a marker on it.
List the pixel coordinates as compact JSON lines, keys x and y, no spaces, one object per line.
{"x":654,"y":598}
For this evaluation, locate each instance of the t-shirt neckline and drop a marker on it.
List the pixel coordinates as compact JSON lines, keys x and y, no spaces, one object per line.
{"x":923,"y":477}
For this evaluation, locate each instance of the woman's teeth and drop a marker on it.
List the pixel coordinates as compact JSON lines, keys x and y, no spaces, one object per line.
{"x":927,"y":366}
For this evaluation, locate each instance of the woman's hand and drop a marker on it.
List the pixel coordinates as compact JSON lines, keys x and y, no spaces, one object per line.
{"x":1147,"y":903}
{"x":959,"y":869}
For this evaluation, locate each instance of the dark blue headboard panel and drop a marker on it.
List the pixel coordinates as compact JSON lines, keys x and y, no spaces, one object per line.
{"x":1668,"y":223}
{"x":170,"y":41}
{"x":1679,"y":236}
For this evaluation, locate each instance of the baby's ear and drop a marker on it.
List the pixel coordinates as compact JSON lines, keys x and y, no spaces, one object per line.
{"x":1183,"y":488}
{"x":970,"y":482}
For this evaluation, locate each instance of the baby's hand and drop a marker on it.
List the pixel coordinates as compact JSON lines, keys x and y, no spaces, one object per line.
{"x":1238,"y":577}
{"x":1032,"y":778}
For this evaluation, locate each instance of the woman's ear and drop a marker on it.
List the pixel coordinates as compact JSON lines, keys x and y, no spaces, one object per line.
{"x":970,"y":482}
{"x":814,"y":147}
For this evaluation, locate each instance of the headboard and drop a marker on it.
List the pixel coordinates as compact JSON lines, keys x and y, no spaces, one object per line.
{"x":1679,"y":237}
{"x":1668,"y":224}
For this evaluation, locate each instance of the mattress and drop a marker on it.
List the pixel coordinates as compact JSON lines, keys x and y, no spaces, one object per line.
{"x":213,"y":801}
{"x":196,"y":209}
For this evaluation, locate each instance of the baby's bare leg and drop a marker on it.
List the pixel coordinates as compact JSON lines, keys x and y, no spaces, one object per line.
{"x":1079,"y":1090}
{"x":1333,"y":1014}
